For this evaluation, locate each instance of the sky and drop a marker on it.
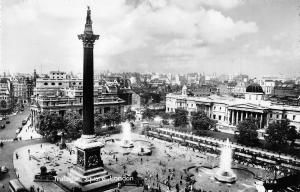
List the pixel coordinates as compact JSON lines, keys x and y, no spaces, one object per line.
{"x":256,"y":37}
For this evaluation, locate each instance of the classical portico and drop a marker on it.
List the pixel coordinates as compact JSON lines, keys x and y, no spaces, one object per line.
{"x":204,"y":106}
{"x":239,"y":112}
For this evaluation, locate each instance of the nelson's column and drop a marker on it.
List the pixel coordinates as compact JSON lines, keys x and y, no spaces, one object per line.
{"x":88,"y":174}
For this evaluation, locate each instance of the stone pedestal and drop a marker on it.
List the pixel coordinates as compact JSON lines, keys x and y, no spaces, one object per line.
{"x":88,"y":174}
{"x":211,"y":161}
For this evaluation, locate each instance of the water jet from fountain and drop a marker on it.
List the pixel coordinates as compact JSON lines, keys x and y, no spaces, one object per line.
{"x":225,"y":173}
{"x":126,"y":141}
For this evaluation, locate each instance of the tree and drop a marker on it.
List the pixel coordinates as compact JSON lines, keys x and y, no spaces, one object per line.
{"x":200,"y":121}
{"x":3,"y":104}
{"x":129,"y":115}
{"x":73,"y":125}
{"x":148,"y":114}
{"x":98,"y":120}
{"x":112,"y":117}
{"x":49,"y":125}
{"x":180,"y":118}
{"x":248,"y":132}
{"x":279,"y":133}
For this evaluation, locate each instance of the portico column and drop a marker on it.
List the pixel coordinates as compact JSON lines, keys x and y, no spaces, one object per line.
{"x":246,"y":114}
{"x":242,"y":114}
{"x":261,"y":117}
{"x":228,"y":116}
{"x":237,"y":117}
{"x":208,"y":111}
{"x":232,"y":112}
{"x":267,"y":119}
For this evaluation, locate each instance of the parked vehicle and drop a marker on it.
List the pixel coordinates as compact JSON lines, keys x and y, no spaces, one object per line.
{"x":24,"y":122}
{"x":3,"y":169}
{"x":2,"y":126}
{"x":7,"y":122}
{"x":18,"y":131}
{"x":16,"y":186}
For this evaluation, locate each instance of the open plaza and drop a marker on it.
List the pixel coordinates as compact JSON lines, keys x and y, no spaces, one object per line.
{"x":102,"y":132}
{"x":170,"y":164}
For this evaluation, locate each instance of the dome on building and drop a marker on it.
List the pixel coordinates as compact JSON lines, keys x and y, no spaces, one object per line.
{"x":254,"y":88}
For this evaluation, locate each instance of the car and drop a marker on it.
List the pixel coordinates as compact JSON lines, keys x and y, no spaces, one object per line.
{"x":18,"y":131}
{"x":2,"y":126}
{"x":24,"y":122}
{"x":3,"y":169}
{"x":7,"y":122}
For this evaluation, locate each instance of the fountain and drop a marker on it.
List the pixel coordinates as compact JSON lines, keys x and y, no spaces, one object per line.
{"x":225,"y":173}
{"x":126,"y":141}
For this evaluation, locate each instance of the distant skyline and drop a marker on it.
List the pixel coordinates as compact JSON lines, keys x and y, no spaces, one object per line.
{"x":255,"y":37}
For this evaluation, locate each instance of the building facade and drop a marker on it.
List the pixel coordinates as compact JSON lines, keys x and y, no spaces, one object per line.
{"x":229,"y":111}
{"x":6,"y":96}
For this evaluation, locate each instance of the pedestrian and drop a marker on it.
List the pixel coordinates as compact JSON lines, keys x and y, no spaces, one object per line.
{"x":41,"y":144}
{"x":17,"y":156}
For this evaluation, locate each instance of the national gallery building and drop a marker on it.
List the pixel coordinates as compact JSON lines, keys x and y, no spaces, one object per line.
{"x":229,"y":111}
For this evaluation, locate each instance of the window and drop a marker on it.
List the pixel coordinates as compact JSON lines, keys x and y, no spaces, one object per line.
{"x":277,"y":116}
{"x":294,"y":117}
{"x":45,"y":83}
{"x":52,"y":83}
{"x":220,"y":108}
{"x":214,"y":116}
{"x":271,"y":115}
{"x":214,"y":107}
{"x":220,"y":117}
{"x":59,"y":83}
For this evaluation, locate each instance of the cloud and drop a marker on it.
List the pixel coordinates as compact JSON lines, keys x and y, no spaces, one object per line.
{"x":223,"y":4}
{"x":269,"y":52}
{"x":215,"y":27}
{"x":156,"y":30}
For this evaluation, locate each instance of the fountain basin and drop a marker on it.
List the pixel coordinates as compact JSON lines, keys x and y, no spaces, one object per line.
{"x":127,"y":145}
{"x":225,"y":176}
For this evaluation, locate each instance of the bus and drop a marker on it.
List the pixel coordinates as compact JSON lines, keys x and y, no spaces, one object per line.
{"x":16,"y":186}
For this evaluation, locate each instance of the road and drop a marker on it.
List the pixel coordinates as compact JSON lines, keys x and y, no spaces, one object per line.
{"x":9,"y":132}
{"x":6,"y":158}
{"x":6,"y":152}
